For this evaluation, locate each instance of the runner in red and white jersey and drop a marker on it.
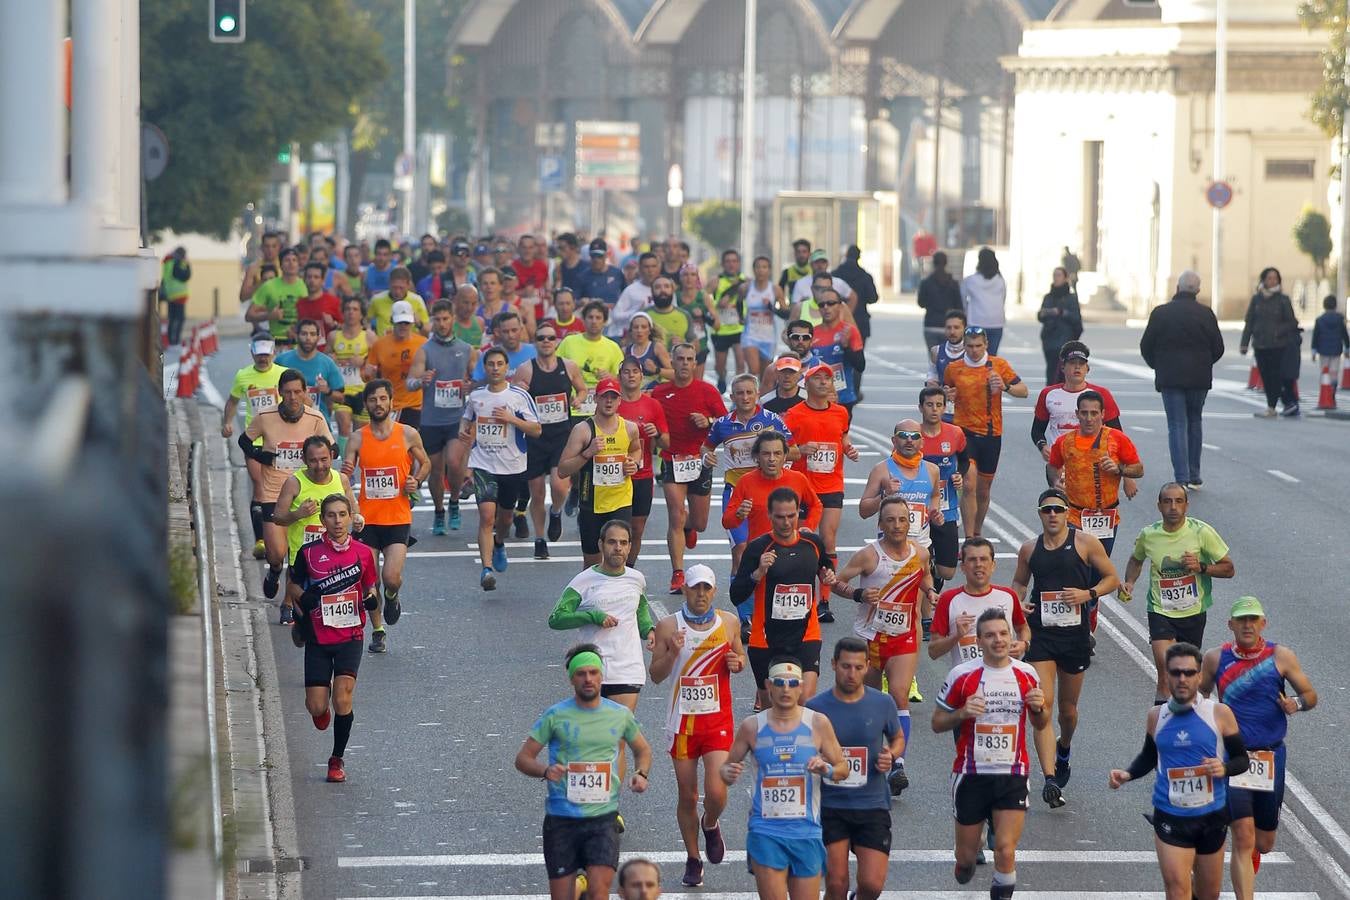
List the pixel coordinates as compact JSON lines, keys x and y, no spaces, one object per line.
{"x":1057,"y":405}
{"x":988,"y":701}
{"x":701,"y":647}
{"x":958,"y":608}
{"x":690,"y":405}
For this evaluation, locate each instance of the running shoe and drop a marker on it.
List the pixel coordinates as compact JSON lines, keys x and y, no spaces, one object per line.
{"x":618,"y":823}
{"x":1052,"y":795}
{"x":677,"y":581}
{"x":259,"y":549}
{"x":914,"y":695}
{"x":298,"y":630}
{"x":824,"y":615}
{"x":897,"y":779}
{"x":438,"y":523}
{"x":271,"y":581}
{"x":487,"y":581}
{"x":540,"y":548}
{"x":499,"y":560}
{"x":693,"y":872}
{"x":466,"y":490}
{"x":963,"y":874}
{"x":745,"y":633}
{"x":287,"y":615}
{"x":1195,"y":484}
{"x":454,"y":518}
{"x":980,"y":858}
{"x":927,"y":630}
{"x":573,"y":502}
{"x":721,"y":385}
{"x":522,"y":527}
{"x":712,"y":840}
{"x":690,"y":539}
{"x":554,"y":525}
{"x":1291,"y":412}
{"x":335,"y":770}
{"x":393,"y":610}
{"x":321,"y":722}
{"x":582,"y":884}
{"x":1267,"y":413}
{"x":378,"y":644}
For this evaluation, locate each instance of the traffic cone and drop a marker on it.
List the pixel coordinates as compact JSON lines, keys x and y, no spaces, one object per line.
{"x":1345,"y":378}
{"x":187,"y":373}
{"x":1254,"y":379}
{"x":1326,"y":394}
{"x":164,"y":336}
{"x":210,"y":339}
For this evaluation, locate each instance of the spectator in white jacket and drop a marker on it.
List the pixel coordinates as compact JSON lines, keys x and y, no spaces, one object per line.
{"x":984,"y":294}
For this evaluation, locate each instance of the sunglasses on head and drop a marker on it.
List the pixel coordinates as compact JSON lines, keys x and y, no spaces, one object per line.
{"x":1183,"y":673}
{"x":1051,"y":508}
{"x":974,"y":330}
{"x":785,"y":682}
{"x":908,"y":435}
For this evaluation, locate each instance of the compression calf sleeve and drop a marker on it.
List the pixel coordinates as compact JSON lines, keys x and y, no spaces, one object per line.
{"x":342,"y":730}
{"x":903,"y":716}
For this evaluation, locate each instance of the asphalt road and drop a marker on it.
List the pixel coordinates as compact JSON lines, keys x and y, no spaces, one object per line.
{"x":434,"y":808}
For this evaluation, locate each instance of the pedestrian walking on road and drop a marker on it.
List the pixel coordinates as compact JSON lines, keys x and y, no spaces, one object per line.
{"x":1181,"y":344}
{"x":938,"y":294}
{"x":1272,"y":332}
{"x":984,"y":295}
{"x":1330,"y":339}
{"x":1061,"y":321}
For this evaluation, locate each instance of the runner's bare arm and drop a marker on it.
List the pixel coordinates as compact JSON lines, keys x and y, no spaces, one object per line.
{"x":421,"y":462}
{"x":864,"y":562}
{"x":283,"y":515}
{"x":874,"y":491}
{"x":830,"y":751}
{"x":744,"y":742}
{"x":1022,"y":577}
{"x":1208,"y":669}
{"x":528,"y":763}
{"x":1092,"y":550}
{"x":1222,"y":568}
{"x":665,"y":649}
{"x":574,"y":458}
{"x":1289,"y":667}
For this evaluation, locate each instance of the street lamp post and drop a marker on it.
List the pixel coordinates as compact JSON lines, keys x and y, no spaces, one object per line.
{"x":409,"y":114}
{"x":1220,"y":126}
{"x":748,"y":135}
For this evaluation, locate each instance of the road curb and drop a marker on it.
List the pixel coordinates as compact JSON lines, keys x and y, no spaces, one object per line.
{"x":262,"y":851}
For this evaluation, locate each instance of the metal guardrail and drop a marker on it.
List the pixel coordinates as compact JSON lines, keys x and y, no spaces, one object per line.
{"x":204,"y":561}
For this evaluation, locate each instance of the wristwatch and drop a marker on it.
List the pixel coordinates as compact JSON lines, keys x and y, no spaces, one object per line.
{"x":1092,"y":592}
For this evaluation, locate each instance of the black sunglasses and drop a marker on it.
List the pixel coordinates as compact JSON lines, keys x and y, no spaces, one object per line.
{"x":1051,"y":508}
{"x":1183,"y":673}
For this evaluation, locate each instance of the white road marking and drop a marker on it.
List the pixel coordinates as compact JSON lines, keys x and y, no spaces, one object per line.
{"x":1141,"y":428}
{"x":1210,"y":447}
{"x":1283,"y":476}
{"x":474,"y":860}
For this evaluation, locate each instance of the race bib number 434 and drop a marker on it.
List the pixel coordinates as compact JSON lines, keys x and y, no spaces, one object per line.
{"x":588,"y":782}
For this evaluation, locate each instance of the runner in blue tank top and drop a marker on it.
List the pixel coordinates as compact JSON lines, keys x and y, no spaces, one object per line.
{"x":1250,"y":674}
{"x":1195,"y":745}
{"x":793,"y":748}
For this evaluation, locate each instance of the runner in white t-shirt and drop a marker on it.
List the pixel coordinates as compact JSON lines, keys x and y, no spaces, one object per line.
{"x":958,"y":608}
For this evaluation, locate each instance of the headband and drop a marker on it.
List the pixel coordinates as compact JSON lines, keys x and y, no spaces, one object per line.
{"x":585,"y":658}
{"x":786,"y":670}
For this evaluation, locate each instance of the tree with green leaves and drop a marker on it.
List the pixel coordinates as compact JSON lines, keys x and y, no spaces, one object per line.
{"x":1312,"y":234}
{"x":716,"y":223}
{"x":228,"y":108}
{"x":1329,"y":101}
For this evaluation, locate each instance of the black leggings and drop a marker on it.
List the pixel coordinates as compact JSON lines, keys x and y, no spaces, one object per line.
{"x":1053,"y":373}
{"x":1270,"y":363}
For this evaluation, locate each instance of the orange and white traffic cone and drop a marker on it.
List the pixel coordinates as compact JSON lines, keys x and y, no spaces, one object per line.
{"x":1345,"y":378}
{"x":1254,"y":379}
{"x":1326,"y":394}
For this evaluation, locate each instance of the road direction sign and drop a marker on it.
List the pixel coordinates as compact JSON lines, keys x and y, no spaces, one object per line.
{"x":154,"y":152}
{"x":550,"y":174}
{"x":1219,"y":194}
{"x":608,"y":155}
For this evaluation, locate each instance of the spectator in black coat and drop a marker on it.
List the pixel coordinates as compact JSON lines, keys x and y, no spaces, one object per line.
{"x":1272,"y":331}
{"x":1181,"y":344}
{"x":865,"y":289}
{"x":938,"y":293}
{"x":1061,"y":321}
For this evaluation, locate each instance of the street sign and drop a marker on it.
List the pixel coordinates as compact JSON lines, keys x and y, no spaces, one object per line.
{"x":1219,"y":194}
{"x":609,"y":155}
{"x":549,"y":134}
{"x":550,"y":174}
{"x":154,"y":152}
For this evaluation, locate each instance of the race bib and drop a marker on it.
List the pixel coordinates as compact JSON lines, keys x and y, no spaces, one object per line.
{"x":1177,"y":594}
{"x":791,"y":601}
{"x":588,"y":782}
{"x":315,"y":396}
{"x":698,"y":695}
{"x":1260,"y":776}
{"x":607,"y":469}
{"x":311,"y":534}
{"x":839,"y":382}
{"x":491,"y":434}
{"x":856,"y":757}
{"x":381,"y":482}
{"x":351,"y":374}
{"x":995,"y":745}
{"x":822,"y":460}
{"x":729,"y":316}
{"x":339,"y":610}
{"x":918,"y":520}
{"x":969,"y":647}
{"x":760,"y":327}
{"x":1189,"y":787}
{"x":685,"y":469}
{"x":288,"y":457}
{"x":893,"y":618}
{"x":448,"y":394}
{"x":552,"y":408}
{"x":1056,"y":612}
{"x":783,"y":797}
{"x":587,"y":407}
{"x":1100,"y":523}
{"x":262,"y":400}
{"x":739,"y":454}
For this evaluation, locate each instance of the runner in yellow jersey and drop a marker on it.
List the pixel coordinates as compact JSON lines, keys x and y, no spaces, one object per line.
{"x":349,"y":346}
{"x":604,"y":451}
{"x":256,"y":387}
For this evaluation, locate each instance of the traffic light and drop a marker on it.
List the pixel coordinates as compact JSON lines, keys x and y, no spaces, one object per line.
{"x":227,"y":21}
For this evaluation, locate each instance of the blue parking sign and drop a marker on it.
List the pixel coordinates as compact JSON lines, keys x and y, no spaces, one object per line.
{"x":550,"y":174}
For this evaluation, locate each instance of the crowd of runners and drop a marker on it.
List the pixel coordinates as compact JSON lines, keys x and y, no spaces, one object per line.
{"x":544,"y":389}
